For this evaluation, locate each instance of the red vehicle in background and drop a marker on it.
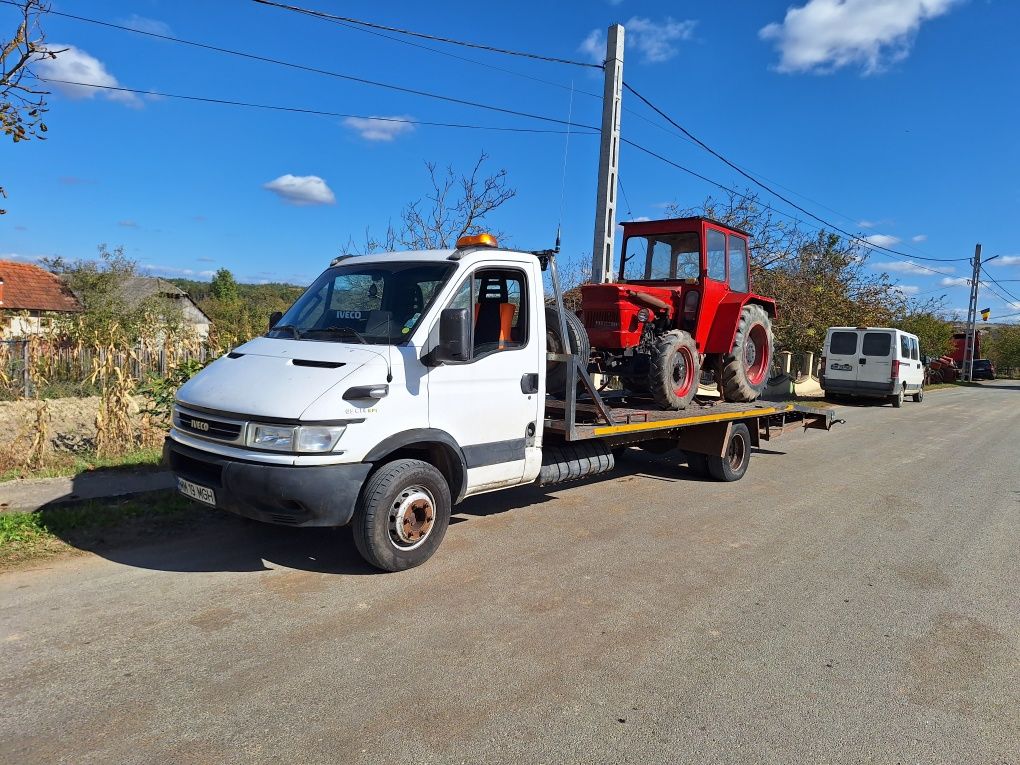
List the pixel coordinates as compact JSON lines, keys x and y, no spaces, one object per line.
{"x":683,"y":304}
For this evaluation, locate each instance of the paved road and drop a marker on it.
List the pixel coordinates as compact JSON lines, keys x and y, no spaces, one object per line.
{"x":853,"y":600}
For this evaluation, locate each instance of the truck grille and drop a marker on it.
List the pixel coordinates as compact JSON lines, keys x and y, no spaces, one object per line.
{"x":601,"y":319}
{"x":206,"y":426}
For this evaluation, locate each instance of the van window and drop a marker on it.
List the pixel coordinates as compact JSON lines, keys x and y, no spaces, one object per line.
{"x":497,"y":301}
{"x":876,"y":344}
{"x":843,"y":343}
{"x":915,"y":354}
{"x":904,"y":346}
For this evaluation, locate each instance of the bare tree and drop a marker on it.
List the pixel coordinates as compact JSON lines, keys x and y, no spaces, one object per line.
{"x":22,"y":104}
{"x":456,"y":206}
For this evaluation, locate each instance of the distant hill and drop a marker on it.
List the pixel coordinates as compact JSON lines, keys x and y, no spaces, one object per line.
{"x":200,"y":291}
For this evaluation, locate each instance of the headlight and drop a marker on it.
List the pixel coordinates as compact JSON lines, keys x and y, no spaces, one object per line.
{"x":305,"y":438}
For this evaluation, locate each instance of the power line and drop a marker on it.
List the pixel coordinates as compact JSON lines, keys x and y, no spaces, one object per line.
{"x":315,"y":70}
{"x":302,"y":110}
{"x":772,"y":191}
{"x":422,"y":35}
{"x":733,"y":191}
{"x":996,"y":282}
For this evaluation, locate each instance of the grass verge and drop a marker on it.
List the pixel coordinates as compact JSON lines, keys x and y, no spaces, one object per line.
{"x":89,"y":525}
{"x":74,"y":464}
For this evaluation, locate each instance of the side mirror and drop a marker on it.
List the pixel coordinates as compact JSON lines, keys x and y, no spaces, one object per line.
{"x":274,"y":318}
{"x":454,"y":336}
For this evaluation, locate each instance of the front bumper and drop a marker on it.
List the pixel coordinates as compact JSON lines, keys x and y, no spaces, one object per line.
{"x":314,"y":495}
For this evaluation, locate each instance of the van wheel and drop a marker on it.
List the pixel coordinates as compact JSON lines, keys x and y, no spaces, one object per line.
{"x":919,"y":396}
{"x":733,"y":464}
{"x":897,"y":400}
{"x":402,"y":515}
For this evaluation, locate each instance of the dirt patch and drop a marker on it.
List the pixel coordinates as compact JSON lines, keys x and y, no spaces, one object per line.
{"x":72,"y":420}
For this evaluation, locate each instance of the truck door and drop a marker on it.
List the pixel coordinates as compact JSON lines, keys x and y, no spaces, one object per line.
{"x":491,"y":403}
{"x":875,"y":361}
{"x":841,"y":359}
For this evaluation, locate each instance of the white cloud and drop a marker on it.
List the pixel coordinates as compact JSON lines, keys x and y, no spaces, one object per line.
{"x":74,"y":65}
{"x":379,"y":128}
{"x":654,"y":41}
{"x":142,"y":24}
{"x":905,"y":266}
{"x":954,"y":281}
{"x":1009,"y":260}
{"x":866,"y":223}
{"x":882,"y":240}
{"x":825,"y":35}
{"x":919,"y":238}
{"x":20,"y":256}
{"x":158,"y":270}
{"x":302,"y":190}
{"x":907,"y":289}
{"x":127,"y":224}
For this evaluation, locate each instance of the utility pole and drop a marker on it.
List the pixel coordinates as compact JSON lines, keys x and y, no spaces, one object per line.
{"x":968,"y":348}
{"x":609,"y":157}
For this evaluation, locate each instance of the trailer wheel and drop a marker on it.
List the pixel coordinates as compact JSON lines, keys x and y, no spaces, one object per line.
{"x":402,"y":515}
{"x":733,"y":464}
{"x":555,"y":371}
{"x":674,"y":370}
{"x":745,"y":369}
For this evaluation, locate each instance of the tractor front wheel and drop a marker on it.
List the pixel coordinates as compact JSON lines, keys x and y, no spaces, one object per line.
{"x":674,"y":370}
{"x":745,"y":369}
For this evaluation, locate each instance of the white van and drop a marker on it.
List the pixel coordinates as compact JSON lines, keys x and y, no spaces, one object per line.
{"x":878,"y":362}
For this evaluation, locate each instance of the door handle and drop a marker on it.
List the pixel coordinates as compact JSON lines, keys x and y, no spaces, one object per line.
{"x":862,"y":361}
{"x":529,"y":383}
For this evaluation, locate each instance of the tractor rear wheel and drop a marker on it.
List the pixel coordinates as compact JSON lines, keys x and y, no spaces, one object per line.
{"x":745,"y":369}
{"x":674,"y":370}
{"x":555,"y":371}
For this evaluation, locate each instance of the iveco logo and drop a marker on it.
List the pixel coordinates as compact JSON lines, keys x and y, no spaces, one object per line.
{"x":199,"y":425}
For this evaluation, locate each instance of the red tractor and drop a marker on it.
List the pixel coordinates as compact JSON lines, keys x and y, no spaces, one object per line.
{"x":683,"y":305}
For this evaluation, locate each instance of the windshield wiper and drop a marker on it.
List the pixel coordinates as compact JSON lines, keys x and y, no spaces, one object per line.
{"x":293,"y":330}
{"x":338,"y":329}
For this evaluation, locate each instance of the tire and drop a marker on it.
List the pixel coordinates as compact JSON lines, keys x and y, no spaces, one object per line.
{"x":733,"y":465}
{"x":745,"y":369}
{"x":407,"y":489}
{"x":919,"y":396}
{"x":674,"y":370}
{"x":555,"y":371}
{"x":897,"y":399}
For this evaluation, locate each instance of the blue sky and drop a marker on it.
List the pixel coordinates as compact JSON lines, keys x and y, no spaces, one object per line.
{"x":899,"y":114}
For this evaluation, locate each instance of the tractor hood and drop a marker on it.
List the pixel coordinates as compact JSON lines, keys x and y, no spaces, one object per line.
{"x":279,"y":379}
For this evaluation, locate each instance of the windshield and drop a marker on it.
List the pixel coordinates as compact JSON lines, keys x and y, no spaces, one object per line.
{"x":377,"y":303}
{"x":662,"y":256}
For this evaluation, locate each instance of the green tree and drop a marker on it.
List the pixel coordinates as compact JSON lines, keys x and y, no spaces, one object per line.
{"x":1003,"y":347}
{"x":223,"y":286}
{"x":934,"y":333}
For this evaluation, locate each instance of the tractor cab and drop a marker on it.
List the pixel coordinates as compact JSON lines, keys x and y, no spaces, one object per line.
{"x":688,"y":278}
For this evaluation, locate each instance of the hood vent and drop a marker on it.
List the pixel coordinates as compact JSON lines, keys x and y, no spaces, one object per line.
{"x":320,"y":364}
{"x":234,"y":355}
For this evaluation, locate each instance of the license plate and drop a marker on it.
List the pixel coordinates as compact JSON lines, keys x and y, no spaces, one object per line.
{"x":201,"y":493}
{"x":841,"y":367}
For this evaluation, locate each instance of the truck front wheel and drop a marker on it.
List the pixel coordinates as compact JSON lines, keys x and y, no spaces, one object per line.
{"x":402,"y":515}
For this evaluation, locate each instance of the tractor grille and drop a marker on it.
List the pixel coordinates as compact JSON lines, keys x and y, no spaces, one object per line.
{"x":204,"y":426}
{"x":601,"y":319}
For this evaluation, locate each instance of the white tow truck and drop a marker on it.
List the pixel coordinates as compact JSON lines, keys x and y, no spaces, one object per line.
{"x":399,"y":384}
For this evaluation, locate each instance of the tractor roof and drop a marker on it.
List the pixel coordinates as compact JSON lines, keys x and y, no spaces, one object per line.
{"x":675,"y":224}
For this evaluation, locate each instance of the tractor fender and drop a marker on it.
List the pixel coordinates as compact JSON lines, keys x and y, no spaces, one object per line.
{"x":727,"y":316}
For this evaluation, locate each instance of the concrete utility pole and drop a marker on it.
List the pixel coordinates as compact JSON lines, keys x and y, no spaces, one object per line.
{"x":609,"y":158}
{"x":968,"y":348}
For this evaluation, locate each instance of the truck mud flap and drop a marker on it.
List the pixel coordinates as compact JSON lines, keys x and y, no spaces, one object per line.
{"x":572,"y":462}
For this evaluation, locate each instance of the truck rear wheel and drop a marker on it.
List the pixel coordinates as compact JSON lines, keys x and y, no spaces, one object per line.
{"x":674,"y":370}
{"x":555,"y":371}
{"x":744,"y":370}
{"x":732,"y":465}
{"x":402,"y":515}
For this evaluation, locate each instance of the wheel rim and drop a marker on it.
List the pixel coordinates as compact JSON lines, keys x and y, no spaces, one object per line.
{"x":682,"y":372}
{"x":756,"y":354}
{"x":412,"y":518}
{"x":735,"y":452}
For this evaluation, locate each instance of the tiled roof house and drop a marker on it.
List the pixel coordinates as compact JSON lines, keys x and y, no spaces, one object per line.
{"x":27,"y":295}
